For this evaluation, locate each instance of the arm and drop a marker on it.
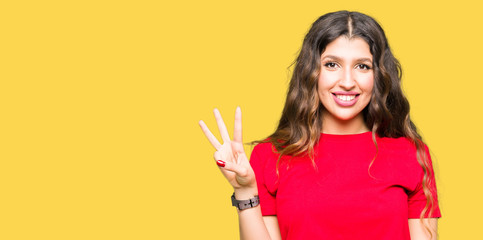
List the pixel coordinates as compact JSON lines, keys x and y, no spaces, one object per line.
{"x":272,"y":225}
{"x":233,"y":163}
{"x":418,"y":231}
{"x":427,"y":229}
{"x":252,"y":224}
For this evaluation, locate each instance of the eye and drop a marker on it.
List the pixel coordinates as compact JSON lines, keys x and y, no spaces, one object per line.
{"x":363,"y":66}
{"x":331,"y":65}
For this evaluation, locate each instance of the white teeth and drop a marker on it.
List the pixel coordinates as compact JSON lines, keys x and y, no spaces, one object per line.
{"x":346,"y":97}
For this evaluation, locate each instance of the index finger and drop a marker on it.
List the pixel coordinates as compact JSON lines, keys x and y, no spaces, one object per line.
{"x":214,"y":142}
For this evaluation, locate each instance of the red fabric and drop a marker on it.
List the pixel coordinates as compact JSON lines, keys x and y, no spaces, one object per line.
{"x":339,"y":199}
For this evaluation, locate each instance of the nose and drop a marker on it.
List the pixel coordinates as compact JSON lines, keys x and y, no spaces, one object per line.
{"x":347,"y":80}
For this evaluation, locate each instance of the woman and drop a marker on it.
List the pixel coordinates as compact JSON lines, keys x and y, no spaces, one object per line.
{"x":345,"y":161}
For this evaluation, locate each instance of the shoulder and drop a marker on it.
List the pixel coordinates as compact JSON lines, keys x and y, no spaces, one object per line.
{"x":401,"y":143}
{"x":264,"y":147}
{"x":263,"y":152}
{"x":264,"y":164}
{"x":398,"y":159}
{"x":402,"y":152}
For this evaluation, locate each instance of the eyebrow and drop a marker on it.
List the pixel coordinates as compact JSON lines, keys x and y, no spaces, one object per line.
{"x":340,"y":59}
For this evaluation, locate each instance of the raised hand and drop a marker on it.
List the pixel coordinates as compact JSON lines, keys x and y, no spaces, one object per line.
{"x":230,"y":156}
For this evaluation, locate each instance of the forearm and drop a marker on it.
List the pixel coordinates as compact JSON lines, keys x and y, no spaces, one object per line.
{"x":250,"y":220}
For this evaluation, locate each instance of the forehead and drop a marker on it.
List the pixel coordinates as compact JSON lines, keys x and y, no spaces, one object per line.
{"x":346,"y":48}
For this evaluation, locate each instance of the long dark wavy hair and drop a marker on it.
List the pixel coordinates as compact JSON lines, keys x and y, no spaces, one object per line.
{"x":387,"y":114}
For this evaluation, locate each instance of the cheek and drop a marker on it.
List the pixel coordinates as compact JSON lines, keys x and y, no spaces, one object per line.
{"x":326,"y":81}
{"x":366,"y":83}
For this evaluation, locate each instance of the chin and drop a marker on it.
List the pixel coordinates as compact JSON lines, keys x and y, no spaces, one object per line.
{"x":346,"y":116}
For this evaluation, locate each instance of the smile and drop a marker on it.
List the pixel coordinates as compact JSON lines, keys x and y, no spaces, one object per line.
{"x":346,"y":99}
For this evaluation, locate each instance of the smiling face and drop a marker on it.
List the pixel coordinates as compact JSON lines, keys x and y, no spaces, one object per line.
{"x":345,"y":85}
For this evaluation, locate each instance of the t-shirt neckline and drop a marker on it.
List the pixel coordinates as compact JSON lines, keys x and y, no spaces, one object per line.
{"x":346,"y":137}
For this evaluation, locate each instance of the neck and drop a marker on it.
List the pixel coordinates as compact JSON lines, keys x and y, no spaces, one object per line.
{"x":332,"y":125}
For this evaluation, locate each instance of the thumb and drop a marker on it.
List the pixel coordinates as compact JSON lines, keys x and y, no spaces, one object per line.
{"x":233,"y":167}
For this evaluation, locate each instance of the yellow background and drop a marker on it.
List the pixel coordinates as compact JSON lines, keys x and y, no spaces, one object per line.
{"x":99,"y":104}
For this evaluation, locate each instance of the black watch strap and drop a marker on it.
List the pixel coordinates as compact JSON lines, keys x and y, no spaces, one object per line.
{"x":245,"y":204}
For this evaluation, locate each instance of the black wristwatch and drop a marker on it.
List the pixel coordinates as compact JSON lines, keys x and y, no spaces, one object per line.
{"x":245,"y":204}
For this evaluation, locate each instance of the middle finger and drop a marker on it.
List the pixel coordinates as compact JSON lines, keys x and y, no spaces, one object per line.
{"x":221,"y":126}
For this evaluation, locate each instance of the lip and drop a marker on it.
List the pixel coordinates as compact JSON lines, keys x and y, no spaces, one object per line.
{"x":345,"y":93}
{"x":346,"y":103}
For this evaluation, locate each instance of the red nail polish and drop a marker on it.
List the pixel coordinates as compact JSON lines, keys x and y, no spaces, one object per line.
{"x":220,"y":163}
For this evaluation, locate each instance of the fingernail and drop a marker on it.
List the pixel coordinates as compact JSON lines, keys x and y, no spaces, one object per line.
{"x":220,"y":163}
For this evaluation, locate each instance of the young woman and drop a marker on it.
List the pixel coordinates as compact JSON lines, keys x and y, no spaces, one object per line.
{"x":345,"y":161}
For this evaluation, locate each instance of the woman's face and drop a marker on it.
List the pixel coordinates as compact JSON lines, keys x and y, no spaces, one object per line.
{"x":346,"y":79}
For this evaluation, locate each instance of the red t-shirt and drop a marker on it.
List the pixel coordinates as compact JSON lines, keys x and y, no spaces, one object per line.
{"x":339,"y":199}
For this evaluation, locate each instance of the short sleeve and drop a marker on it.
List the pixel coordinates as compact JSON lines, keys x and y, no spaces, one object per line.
{"x":260,"y":161}
{"x":417,"y":199}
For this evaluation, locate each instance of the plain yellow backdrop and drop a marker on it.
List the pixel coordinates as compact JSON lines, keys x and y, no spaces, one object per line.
{"x":99,"y":104}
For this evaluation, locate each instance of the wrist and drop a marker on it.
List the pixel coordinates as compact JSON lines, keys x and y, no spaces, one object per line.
{"x":246,"y":203}
{"x":246,"y":193}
